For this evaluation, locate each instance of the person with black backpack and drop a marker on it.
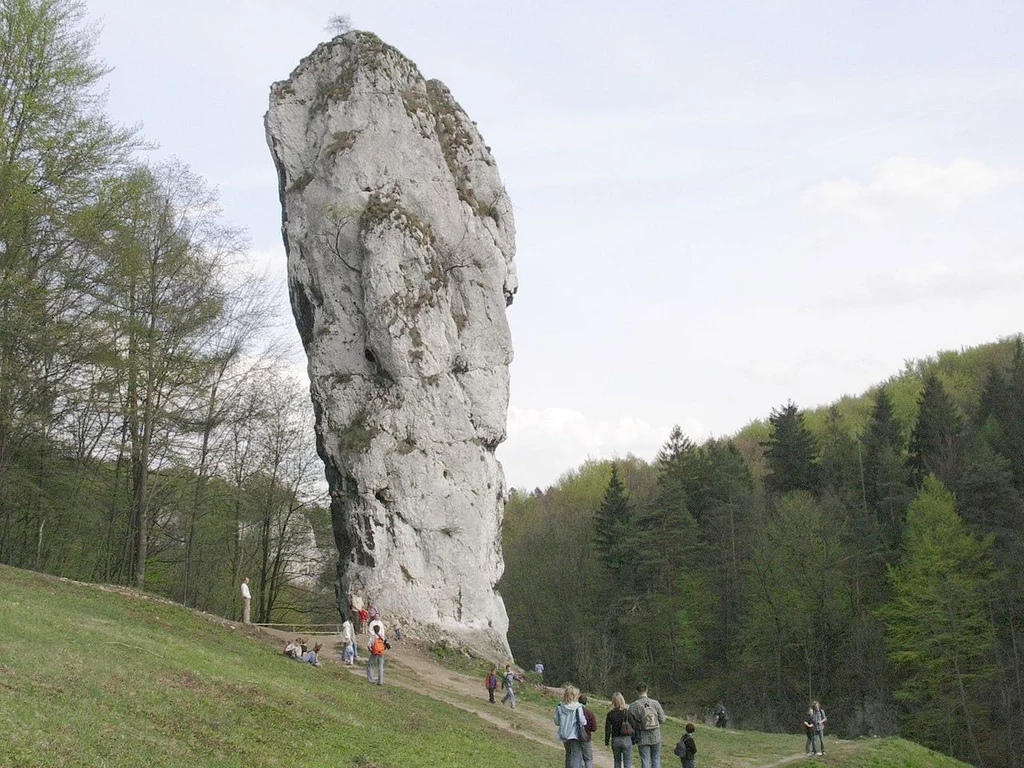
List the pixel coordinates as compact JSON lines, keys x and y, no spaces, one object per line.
{"x":686,"y":749}
{"x":647,"y":716}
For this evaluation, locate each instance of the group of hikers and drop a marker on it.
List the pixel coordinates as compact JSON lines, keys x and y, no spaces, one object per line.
{"x":638,"y":723}
{"x":362,"y":615}
{"x":628,"y":725}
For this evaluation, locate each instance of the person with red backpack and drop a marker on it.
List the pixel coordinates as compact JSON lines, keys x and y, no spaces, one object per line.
{"x":377,"y":646}
{"x":491,"y":684}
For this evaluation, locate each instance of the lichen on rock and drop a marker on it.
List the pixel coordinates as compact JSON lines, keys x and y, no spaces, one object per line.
{"x":400,"y":242}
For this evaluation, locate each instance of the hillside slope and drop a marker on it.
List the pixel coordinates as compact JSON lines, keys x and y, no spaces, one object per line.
{"x":94,"y":676}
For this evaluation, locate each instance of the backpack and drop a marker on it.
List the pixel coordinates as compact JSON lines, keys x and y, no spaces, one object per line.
{"x":650,"y":719}
{"x":377,"y":647}
{"x":585,"y":727}
{"x":626,"y":729}
{"x":686,"y":747}
{"x":491,"y":682}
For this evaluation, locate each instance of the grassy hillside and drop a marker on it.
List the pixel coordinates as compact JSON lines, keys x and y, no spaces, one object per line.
{"x":91,"y":677}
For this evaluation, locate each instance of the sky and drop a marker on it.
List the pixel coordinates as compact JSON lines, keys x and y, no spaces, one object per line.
{"x":720,"y":206}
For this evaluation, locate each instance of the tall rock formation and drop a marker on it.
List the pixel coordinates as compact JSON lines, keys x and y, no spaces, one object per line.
{"x":400,"y":244}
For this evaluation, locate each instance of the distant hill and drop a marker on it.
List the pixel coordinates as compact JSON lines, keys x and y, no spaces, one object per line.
{"x":962,"y":373}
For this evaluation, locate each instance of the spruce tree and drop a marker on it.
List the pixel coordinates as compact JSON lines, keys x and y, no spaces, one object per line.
{"x":790,"y":453}
{"x":612,"y":524}
{"x":886,"y":480}
{"x":938,"y":442}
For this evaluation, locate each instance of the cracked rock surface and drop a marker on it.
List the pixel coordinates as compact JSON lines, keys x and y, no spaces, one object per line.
{"x":400,"y":242}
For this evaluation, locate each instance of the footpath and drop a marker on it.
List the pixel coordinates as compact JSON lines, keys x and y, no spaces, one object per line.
{"x":411,"y":665}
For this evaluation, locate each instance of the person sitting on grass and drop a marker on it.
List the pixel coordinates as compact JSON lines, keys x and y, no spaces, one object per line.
{"x":293,"y":650}
{"x":311,"y":656}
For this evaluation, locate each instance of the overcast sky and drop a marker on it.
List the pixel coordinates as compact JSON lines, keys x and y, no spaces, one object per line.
{"x":720,"y":206}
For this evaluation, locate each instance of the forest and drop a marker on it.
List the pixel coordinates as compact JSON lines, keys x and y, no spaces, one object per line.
{"x":865,"y":554}
{"x":151,"y":431}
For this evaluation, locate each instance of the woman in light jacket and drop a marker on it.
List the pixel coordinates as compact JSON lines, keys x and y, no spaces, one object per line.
{"x":571,"y":721}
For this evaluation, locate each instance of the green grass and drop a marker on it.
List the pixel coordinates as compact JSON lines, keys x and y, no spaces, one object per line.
{"x":90,"y":677}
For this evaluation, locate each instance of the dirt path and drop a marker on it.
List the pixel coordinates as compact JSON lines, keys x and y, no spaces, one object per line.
{"x":412,"y":666}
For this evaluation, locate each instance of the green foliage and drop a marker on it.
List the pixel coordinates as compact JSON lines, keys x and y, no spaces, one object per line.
{"x":790,"y":453}
{"x":938,"y":441}
{"x":938,"y":624}
{"x":612,"y":525}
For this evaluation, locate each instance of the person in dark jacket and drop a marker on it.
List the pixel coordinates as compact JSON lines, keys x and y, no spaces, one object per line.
{"x":619,"y":731}
{"x":809,"y":730}
{"x":686,"y":749}
{"x":587,"y":735}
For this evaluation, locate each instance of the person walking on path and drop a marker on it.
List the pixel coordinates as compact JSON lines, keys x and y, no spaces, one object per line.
{"x":587,"y":734}
{"x":647,"y":715}
{"x":809,"y":730}
{"x":491,"y":683}
{"x":818,"y":714}
{"x":571,"y":724}
{"x":508,"y":682}
{"x":246,"y":600}
{"x":377,"y":646}
{"x":619,"y":731}
{"x":686,"y":749}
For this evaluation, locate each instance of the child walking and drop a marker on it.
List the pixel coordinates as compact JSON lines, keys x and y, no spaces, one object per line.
{"x":686,"y":749}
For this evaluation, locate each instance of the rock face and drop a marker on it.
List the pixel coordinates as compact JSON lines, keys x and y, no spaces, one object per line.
{"x":400,"y":244}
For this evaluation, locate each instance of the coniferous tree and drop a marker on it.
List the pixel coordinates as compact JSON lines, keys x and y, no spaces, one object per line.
{"x":612,"y":524}
{"x":886,"y":479}
{"x":791,"y":453}
{"x":839,"y":463}
{"x":938,"y":442}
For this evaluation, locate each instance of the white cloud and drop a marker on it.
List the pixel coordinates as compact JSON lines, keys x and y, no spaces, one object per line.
{"x":903,"y":182}
{"x":544,"y":443}
{"x":964,"y":282}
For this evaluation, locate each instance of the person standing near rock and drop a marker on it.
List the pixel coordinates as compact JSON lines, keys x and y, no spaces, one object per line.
{"x":246,"y":600}
{"x":348,"y":632}
{"x":571,"y":724}
{"x":377,"y":646}
{"x":619,"y":732}
{"x":355,"y":605}
{"x":647,"y":714}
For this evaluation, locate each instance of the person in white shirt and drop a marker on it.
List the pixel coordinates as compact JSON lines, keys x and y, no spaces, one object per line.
{"x":246,"y":600}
